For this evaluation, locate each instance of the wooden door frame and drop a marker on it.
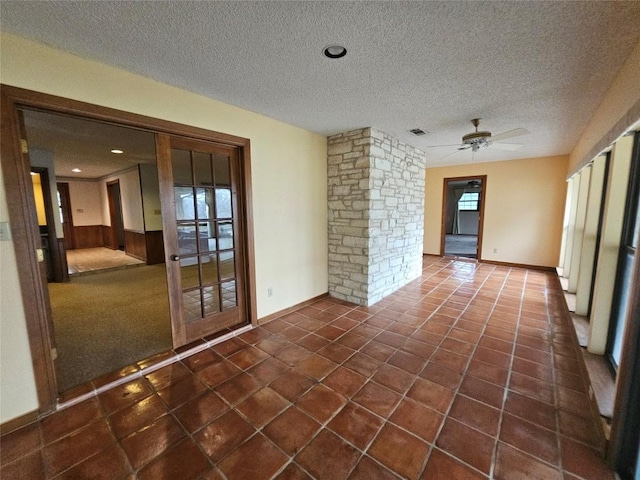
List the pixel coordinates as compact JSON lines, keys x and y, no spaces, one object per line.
{"x":181,"y":332}
{"x":114,"y":238}
{"x":24,"y":226}
{"x":626,"y":416}
{"x":483,"y":192}
{"x":65,"y":205}
{"x":58,"y":264}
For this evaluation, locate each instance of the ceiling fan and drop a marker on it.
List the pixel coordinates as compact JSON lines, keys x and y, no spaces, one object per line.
{"x":481,"y":139}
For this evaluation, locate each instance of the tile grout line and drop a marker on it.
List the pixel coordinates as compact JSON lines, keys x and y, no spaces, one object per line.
{"x":494,"y":456}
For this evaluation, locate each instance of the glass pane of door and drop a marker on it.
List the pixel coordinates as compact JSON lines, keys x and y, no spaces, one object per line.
{"x":205,"y":225}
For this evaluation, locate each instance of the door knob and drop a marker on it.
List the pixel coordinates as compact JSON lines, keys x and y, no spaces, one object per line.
{"x":175,"y":258}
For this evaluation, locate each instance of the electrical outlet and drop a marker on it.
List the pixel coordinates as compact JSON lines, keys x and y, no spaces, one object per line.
{"x":269,"y":292}
{"x":495,"y":250}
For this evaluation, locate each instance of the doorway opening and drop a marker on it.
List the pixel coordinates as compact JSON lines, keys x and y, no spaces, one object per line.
{"x":462,"y":216}
{"x":115,"y":214}
{"x":159,"y":247}
{"x":103,"y":318}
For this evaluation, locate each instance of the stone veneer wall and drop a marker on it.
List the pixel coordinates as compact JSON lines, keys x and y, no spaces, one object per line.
{"x":376,"y":214}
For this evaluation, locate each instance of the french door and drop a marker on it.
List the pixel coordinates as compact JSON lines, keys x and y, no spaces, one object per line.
{"x":204,"y":249}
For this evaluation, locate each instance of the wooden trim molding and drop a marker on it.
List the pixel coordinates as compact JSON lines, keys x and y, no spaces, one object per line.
{"x":26,"y":235}
{"x":135,"y":244}
{"x":443,"y":223}
{"x":56,"y":104}
{"x":21,"y":206}
{"x":520,"y":265}
{"x":62,"y":255}
{"x":154,"y":243}
{"x":147,"y":246}
{"x":494,"y":262}
{"x":18,"y":422}
{"x":109,"y":239}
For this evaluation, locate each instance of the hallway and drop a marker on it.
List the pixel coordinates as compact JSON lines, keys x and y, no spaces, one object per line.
{"x":472,"y":371}
{"x":84,"y":261}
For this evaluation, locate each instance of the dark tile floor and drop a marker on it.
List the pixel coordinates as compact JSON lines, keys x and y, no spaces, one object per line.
{"x":469,"y":372}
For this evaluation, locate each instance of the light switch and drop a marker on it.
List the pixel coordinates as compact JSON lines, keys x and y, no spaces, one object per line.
{"x":5,"y":232}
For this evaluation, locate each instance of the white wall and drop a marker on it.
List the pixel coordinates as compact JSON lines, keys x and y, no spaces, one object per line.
{"x":86,"y":204}
{"x":130,"y":196}
{"x":289,"y":171}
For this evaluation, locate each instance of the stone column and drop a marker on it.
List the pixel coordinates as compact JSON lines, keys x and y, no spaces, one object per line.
{"x":376,"y":214}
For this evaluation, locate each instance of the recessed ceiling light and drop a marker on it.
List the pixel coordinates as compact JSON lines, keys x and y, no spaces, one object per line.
{"x":76,"y":170}
{"x":116,"y":151}
{"x":334,"y":51}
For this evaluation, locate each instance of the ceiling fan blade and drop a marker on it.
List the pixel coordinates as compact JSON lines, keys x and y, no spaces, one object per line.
{"x":438,"y":146}
{"x":510,"y":134}
{"x":506,"y":146}
{"x":447,"y":156}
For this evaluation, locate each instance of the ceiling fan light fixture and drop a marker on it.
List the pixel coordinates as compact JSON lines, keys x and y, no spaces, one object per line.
{"x":477,"y":140}
{"x":334,"y":51}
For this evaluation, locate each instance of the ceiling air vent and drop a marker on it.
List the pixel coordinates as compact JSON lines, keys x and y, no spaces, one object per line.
{"x":418,"y":132}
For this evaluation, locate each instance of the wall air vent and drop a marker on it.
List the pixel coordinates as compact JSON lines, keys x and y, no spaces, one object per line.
{"x":418,"y":132}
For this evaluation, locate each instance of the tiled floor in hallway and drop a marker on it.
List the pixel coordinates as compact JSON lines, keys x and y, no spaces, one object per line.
{"x":469,"y":372}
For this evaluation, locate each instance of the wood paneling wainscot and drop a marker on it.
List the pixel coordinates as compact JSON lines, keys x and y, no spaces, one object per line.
{"x":109,"y":237}
{"x":147,"y":246}
{"x":135,"y":244}
{"x":88,"y":236}
{"x":155,"y":247}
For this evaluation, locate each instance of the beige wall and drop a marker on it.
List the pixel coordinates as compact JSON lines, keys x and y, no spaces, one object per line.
{"x":40,"y":158}
{"x":17,"y":386}
{"x":523,"y":212}
{"x":150,"y":197}
{"x":612,"y":223}
{"x":86,"y":205}
{"x":622,"y":98}
{"x":288,"y":168}
{"x":38,"y":196}
{"x":130,"y":197}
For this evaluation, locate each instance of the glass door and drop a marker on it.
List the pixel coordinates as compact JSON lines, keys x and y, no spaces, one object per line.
{"x":203,"y":240}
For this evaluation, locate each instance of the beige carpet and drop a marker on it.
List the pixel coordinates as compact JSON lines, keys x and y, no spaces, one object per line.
{"x":109,"y":320}
{"x":461,"y":245}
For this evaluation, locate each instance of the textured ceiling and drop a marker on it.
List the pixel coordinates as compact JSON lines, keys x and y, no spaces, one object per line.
{"x":542,"y":66}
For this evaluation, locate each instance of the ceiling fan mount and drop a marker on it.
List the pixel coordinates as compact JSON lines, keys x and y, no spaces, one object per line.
{"x":476,"y":139}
